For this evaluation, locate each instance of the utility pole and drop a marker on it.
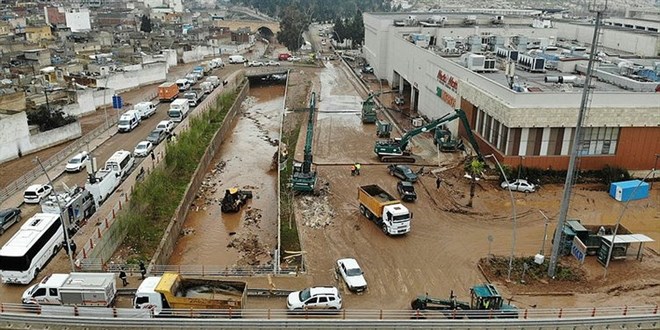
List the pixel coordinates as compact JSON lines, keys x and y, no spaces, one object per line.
{"x":577,"y":137}
{"x":64,"y":222}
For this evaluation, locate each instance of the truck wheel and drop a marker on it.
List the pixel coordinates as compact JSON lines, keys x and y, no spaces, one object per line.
{"x":363,"y":210}
{"x":384,"y":228}
{"x":2,"y":230}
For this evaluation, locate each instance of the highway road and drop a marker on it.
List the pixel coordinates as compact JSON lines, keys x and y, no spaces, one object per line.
{"x":119,"y":141}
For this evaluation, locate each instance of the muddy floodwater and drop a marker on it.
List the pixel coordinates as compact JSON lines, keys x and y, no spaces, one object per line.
{"x":247,"y":238}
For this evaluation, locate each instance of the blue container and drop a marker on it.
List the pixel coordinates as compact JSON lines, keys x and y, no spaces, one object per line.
{"x":623,"y":191}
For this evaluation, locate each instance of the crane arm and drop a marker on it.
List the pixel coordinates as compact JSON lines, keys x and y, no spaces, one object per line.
{"x":307,"y":162}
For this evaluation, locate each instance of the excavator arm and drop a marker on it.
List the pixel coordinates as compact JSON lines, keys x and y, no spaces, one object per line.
{"x":394,"y":150}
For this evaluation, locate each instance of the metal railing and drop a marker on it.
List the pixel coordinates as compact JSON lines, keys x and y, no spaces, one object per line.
{"x":66,"y":153}
{"x":73,"y":312}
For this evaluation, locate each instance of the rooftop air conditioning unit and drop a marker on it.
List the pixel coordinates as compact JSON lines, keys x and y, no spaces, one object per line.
{"x":476,"y":62}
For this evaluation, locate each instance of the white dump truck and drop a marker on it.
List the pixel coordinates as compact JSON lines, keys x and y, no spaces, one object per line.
{"x":79,"y":289}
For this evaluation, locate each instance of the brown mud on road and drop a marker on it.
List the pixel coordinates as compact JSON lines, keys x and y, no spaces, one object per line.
{"x":246,"y":238}
{"x":447,"y":238}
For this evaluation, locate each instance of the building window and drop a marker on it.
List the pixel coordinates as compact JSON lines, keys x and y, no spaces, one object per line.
{"x":555,"y":142}
{"x":496,"y":133}
{"x":514,"y":142}
{"x":534,"y":139}
{"x":480,"y":122}
{"x":504,"y":131}
{"x":598,"y":141}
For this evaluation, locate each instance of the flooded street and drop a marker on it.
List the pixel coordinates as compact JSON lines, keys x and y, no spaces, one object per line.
{"x":249,"y":237}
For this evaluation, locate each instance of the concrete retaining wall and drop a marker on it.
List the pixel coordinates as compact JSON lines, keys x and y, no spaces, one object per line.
{"x":15,"y":137}
{"x":168,"y":242}
{"x":198,"y":53}
{"x":88,"y":101}
{"x":122,"y":81}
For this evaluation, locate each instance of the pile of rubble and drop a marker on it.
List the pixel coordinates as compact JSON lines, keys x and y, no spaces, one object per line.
{"x":208,"y":188}
{"x":252,"y":217}
{"x":187,"y":231}
{"x":252,"y":252}
{"x":249,"y":102}
{"x":316,"y":211}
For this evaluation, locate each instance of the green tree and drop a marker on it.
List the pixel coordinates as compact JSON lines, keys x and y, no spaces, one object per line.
{"x":145,"y":24}
{"x":48,"y":119}
{"x":357,"y":28}
{"x":292,"y":24}
{"x":474,"y":168}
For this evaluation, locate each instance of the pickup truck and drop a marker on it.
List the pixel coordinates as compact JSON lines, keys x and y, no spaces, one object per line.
{"x":406,"y":191}
{"x":194,"y":97}
{"x":384,"y":210}
{"x":180,"y":295}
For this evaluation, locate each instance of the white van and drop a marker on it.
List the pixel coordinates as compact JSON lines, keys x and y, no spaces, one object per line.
{"x":237,"y":59}
{"x":183,"y":84}
{"x":146,"y":109}
{"x":217,"y":63}
{"x":128,"y":121}
{"x":178,"y":110}
{"x":120,"y":162}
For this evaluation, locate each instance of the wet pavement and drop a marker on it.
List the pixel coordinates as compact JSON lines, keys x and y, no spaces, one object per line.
{"x":246,"y":238}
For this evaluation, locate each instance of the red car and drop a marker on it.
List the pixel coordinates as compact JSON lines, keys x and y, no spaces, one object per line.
{"x":284,"y":56}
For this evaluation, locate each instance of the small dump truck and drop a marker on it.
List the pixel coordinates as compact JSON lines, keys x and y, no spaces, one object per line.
{"x":79,"y":289}
{"x":175,"y":295}
{"x":234,"y":199}
{"x":384,"y":210}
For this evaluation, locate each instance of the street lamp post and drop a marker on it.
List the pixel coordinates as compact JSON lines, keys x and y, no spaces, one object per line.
{"x":64,"y":224}
{"x":513,"y":211}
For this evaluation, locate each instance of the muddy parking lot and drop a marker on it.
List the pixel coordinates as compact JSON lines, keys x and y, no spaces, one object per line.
{"x":447,"y":238}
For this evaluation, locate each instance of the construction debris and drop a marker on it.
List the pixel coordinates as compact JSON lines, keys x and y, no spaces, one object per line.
{"x":316,"y":211}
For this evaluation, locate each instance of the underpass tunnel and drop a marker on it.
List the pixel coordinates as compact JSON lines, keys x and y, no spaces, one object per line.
{"x":266,"y":33}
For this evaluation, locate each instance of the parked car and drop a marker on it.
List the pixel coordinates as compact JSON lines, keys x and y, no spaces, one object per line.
{"x":293,"y":59}
{"x":272,"y":63}
{"x":399,"y":100}
{"x":406,"y":191}
{"x":36,"y":192}
{"x":519,"y":185}
{"x":314,"y":298}
{"x":255,"y":63}
{"x":143,"y":149}
{"x":367,"y":69}
{"x":77,"y":163}
{"x":402,"y":172}
{"x":166,"y":125}
{"x":8,"y":217}
{"x":157,"y":136}
{"x":352,"y":274}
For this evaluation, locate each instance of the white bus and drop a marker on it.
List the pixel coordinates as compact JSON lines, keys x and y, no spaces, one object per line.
{"x":29,"y":250}
{"x":120,"y":162}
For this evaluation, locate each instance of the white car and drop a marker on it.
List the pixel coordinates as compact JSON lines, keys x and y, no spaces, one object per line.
{"x":293,"y":59}
{"x":519,"y":185}
{"x":314,"y":298}
{"x":272,"y":63}
{"x":255,"y":63}
{"x":36,"y":192}
{"x":143,"y":149}
{"x":166,"y":125}
{"x":352,"y":274}
{"x":77,"y":163}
